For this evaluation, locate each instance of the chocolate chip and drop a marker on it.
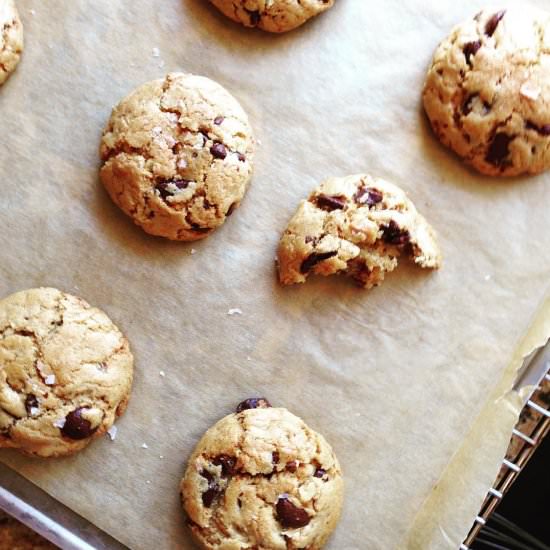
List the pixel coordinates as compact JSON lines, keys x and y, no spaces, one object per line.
{"x":77,"y":427}
{"x":213,"y":490}
{"x":499,"y":149}
{"x":492,"y":24}
{"x":319,"y":472}
{"x":241,"y":157}
{"x":253,"y":403}
{"x":255,"y":16}
{"x":470,"y":49}
{"x":313,"y":259}
{"x":467,"y":105}
{"x":163,"y":187}
{"x":231,"y":209}
{"x":198,"y":229}
{"x":543,"y":130}
{"x":218,"y":150}
{"x":310,"y":239}
{"x":275,"y":457}
{"x":218,"y":120}
{"x":31,"y":402}
{"x":227,"y":463}
{"x":368,"y":196}
{"x":330,"y":202}
{"x":289,"y":515}
{"x":291,"y":466}
{"x":393,"y":234}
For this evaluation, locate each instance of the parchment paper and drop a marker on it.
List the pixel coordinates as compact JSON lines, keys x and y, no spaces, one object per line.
{"x":409,"y":382}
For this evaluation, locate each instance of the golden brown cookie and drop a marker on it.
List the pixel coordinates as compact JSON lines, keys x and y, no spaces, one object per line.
{"x":487,"y":93}
{"x":177,"y":156}
{"x":11,"y":38}
{"x":260,"y":478}
{"x":65,"y":372}
{"x":359,"y":226}
{"x":272,"y":15}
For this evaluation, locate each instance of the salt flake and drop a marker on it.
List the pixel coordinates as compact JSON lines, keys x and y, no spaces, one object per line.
{"x":193,"y":251}
{"x":145,"y":446}
{"x":32,"y":12}
{"x":112,"y":431}
{"x":235,"y":311}
{"x":530,"y":91}
{"x":156,"y":52}
{"x":59,"y":423}
{"x":162,"y":373}
{"x":50,"y":380}
{"x":34,"y":411}
{"x":487,"y":277}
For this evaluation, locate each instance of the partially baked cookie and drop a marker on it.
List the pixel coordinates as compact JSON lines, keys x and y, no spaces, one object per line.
{"x":260,"y":478}
{"x":177,"y":156}
{"x":487,"y":93}
{"x":65,"y":372}
{"x":357,"y":225}
{"x":11,"y":38}
{"x":272,"y":15}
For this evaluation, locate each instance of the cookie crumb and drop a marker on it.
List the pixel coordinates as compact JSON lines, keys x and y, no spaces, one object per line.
{"x":156,"y":52}
{"x":145,"y":446}
{"x":235,"y":311}
{"x":248,"y":358}
{"x":162,"y":373}
{"x":50,"y":380}
{"x":112,"y":431}
{"x":530,"y":91}
{"x":59,"y":423}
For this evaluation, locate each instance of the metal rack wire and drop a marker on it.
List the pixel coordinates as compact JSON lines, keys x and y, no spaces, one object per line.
{"x":526,"y":437}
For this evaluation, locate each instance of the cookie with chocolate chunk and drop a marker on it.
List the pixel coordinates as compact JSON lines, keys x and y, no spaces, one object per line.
{"x":272,"y":15}
{"x":65,"y":372}
{"x":487,"y":93}
{"x":261,"y":478}
{"x":356,"y":225}
{"x":177,"y":156}
{"x":11,"y":38}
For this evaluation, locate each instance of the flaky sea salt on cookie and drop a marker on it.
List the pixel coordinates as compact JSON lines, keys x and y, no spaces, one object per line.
{"x":487,"y":93}
{"x":177,"y":156}
{"x":358,"y":226}
{"x":261,"y":478}
{"x":11,"y":38}
{"x":65,"y":372}
{"x":272,"y":15}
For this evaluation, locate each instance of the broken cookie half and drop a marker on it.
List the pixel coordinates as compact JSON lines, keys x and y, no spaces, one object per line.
{"x":358,"y":225}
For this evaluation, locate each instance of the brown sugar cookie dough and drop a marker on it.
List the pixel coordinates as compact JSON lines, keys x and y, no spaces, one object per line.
{"x":357,"y":225}
{"x":487,"y":93}
{"x":260,"y":478}
{"x":177,"y":156}
{"x":11,"y":38}
{"x":272,"y":15}
{"x":65,"y":372}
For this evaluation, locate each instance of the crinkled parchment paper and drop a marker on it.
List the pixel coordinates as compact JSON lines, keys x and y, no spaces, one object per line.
{"x":409,"y":382}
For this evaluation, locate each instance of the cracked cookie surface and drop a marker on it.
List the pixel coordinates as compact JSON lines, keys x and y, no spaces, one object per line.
{"x":272,"y":15}
{"x":65,"y":372}
{"x":261,"y":478}
{"x":177,"y":156}
{"x":11,"y":38}
{"x":358,"y":225}
{"x":487,"y":93}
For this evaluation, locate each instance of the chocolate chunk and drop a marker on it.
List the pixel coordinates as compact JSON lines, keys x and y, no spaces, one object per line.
{"x":499,"y":149}
{"x":330,"y":202}
{"x":492,"y":24}
{"x":213,"y":489}
{"x":319,"y":472}
{"x":218,"y":120}
{"x":310,"y":239}
{"x":275,"y":457}
{"x":393,"y":234}
{"x":163,"y":187}
{"x":199,"y":229}
{"x":31,"y":402}
{"x":313,"y":259}
{"x":368,"y":196}
{"x":543,"y":130}
{"x":231,"y":209}
{"x":227,"y":463}
{"x":253,"y":403}
{"x":291,"y":466}
{"x":255,"y":16}
{"x":467,"y":105}
{"x":289,"y":515}
{"x":241,"y":157}
{"x":77,"y":427}
{"x":218,"y":150}
{"x":470,"y":49}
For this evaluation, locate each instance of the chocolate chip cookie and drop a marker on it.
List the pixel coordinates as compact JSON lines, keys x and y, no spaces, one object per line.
{"x":487,"y":93}
{"x":65,"y":372}
{"x":272,"y":15}
{"x":177,"y":156}
{"x":359,"y":226}
{"x":11,"y":38}
{"x":260,"y":478}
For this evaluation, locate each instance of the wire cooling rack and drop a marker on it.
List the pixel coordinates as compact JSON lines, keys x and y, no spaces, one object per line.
{"x":533,"y":426}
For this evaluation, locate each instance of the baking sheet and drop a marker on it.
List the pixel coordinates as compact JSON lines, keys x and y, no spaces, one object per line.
{"x":401,"y":380}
